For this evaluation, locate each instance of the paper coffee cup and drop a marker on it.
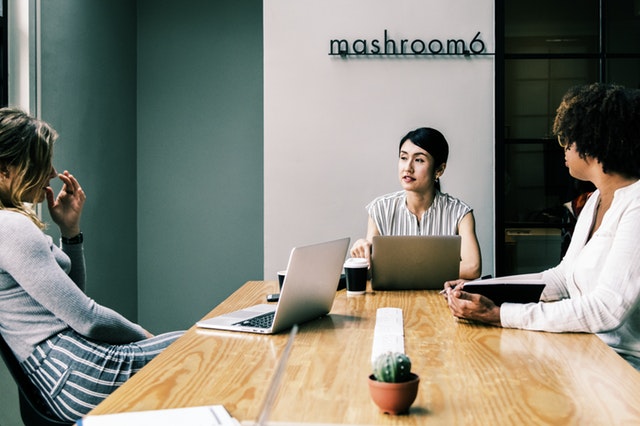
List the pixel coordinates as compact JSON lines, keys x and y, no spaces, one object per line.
{"x":281,"y":275}
{"x":356,"y":270}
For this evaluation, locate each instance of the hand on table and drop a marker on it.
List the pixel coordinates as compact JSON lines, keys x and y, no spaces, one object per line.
{"x":470,"y":306}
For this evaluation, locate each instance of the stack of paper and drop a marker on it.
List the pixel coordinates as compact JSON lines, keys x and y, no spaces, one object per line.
{"x":192,"y":416}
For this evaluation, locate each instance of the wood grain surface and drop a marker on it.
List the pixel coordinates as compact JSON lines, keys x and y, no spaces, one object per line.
{"x":470,"y":374}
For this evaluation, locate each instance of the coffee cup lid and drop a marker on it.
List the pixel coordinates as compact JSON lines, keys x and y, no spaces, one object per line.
{"x":356,"y":262}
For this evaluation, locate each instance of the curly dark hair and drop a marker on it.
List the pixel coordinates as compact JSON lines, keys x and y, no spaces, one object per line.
{"x":603,"y":120}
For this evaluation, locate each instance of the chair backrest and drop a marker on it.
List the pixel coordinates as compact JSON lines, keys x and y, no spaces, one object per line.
{"x":33,"y":410}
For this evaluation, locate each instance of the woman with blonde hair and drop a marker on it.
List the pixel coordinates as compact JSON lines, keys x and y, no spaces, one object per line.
{"x":75,"y":351}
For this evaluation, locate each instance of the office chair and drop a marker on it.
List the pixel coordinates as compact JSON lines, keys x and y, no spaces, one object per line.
{"x":33,"y":410}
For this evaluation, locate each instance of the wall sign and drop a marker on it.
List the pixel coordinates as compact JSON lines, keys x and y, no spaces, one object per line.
{"x":405,"y":47}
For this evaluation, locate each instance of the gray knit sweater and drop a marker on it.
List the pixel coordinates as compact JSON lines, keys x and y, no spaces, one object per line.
{"x":42,"y":291}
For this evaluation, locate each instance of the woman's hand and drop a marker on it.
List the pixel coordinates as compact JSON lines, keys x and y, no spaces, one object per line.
{"x":66,"y":208}
{"x":361,"y":248}
{"x":470,"y":306}
{"x":450,"y":285}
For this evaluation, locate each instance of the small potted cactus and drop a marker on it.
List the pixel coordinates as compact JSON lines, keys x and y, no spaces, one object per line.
{"x":392,"y":385}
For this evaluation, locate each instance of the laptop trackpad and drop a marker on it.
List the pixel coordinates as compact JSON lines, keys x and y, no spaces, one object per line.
{"x":242,"y":314}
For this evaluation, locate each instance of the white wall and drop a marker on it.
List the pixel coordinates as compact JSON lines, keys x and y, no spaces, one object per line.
{"x":332,"y":125}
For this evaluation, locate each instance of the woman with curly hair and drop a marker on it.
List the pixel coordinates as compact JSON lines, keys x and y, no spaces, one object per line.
{"x":596,"y":286}
{"x":75,"y":351}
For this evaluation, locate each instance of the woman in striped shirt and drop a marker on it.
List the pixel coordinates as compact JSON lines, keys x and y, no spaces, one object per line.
{"x":420,"y":208}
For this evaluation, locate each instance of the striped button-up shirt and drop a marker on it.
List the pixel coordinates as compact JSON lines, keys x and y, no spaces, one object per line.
{"x":392,"y":217}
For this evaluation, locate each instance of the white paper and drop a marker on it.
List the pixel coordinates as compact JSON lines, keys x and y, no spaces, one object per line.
{"x":193,"y":416}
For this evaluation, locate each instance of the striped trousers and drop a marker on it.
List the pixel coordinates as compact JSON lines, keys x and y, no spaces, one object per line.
{"x":75,"y":374}
{"x":633,"y":360}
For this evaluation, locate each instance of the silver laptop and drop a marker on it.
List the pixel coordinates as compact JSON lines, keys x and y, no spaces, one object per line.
{"x":307,"y":292}
{"x":414,"y":262}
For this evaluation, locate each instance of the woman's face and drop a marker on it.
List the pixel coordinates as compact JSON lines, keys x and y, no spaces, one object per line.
{"x":416,"y":168}
{"x":578,"y":166}
{"x":36,"y":195}
{"x":39,"y":193}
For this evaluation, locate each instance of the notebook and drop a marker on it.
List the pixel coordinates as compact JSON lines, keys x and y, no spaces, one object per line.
{"x":307,"y":292}
{"x":414,"y":262}
{"x":507,"y":289}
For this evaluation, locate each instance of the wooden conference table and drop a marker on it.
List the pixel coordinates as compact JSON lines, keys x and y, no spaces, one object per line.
{"x":470,"y":373}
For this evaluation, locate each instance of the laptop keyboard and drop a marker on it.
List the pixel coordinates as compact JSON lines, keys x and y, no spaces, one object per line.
{"x":261,"y":321}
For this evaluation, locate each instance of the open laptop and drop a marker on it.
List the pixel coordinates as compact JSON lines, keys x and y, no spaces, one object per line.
{"x":307,"y":292}
{"x":414,"y":262}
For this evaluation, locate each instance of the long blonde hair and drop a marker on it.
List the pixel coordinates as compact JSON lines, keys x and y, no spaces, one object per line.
{"x":26,"y":144}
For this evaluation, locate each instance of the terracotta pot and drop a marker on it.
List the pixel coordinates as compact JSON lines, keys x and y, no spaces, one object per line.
{"x":394,"y":398}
